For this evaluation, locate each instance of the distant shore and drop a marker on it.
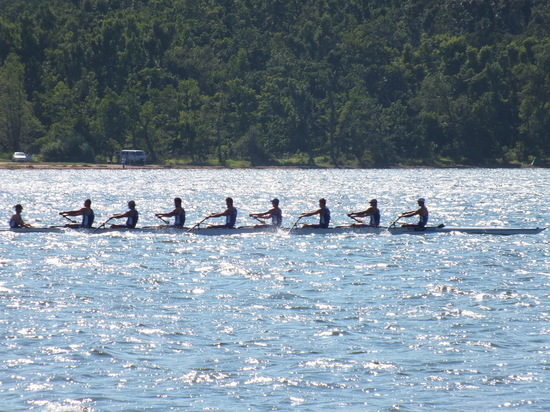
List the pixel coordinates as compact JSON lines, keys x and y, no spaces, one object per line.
{"x":114,"y":166}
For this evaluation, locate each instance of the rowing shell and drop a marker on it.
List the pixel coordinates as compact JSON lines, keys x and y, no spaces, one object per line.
{"x":296,"y":231}
{"x":206,"y":231}
{"x":470,"y":230}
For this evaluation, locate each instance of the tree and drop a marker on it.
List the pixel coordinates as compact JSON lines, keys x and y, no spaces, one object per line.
{"x":18,"y":126}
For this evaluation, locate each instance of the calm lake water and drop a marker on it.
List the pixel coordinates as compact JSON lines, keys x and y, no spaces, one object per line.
{"x":141,"y":321}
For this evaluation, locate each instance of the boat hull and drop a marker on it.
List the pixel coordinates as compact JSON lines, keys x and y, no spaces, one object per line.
{"x":337,"y":230}
{"x":206,"y":231}
{"x":505,"y":231}
{"x":294,"y":231}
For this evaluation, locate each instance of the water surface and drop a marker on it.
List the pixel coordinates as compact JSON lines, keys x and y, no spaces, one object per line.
{"x":141,"y":321}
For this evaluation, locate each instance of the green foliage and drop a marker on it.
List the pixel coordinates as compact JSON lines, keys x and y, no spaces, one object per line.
{"x":18,"y":125}
{"x":372,"y":84}
{"x":67,"y":148}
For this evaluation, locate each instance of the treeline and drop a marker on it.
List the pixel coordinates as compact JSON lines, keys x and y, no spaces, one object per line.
{"x":342,"y":82}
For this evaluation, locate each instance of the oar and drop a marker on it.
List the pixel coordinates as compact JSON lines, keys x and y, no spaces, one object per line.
{"x":395,"y":221}
{"x":259,"y":220}
{"x":354,"y":218}
{"x":101,"y":225}
{"x":198,"y":224}
{"x":70,"y":220}
{"x":295,"y":223}
{"x":164,"y":220}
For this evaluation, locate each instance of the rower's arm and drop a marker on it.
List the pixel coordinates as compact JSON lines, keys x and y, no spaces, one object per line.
{"x":72,"y":212}
{"x":262,"y":214}
{"x":220,"y":214}
{"x":121,"y":215}
{"x":167,"y":214}
{"x":313,"y":212}
{"x":364,"y":213}
{"x":411,"y":213}
{"x":20,"y":221}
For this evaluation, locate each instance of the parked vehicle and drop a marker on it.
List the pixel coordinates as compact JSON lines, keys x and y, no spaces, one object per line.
{"x":21,"y":157}
{"x":131,"y":157}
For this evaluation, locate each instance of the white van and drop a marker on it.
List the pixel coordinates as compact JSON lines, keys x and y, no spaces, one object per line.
{"x":131,"y":157}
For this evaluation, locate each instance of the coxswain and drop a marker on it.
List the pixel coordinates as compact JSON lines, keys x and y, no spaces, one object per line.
{"x":178,"y":213}
{"x":422,"y":213}
{"x":87,"y":216}
{"x":371,"y":211}
{"x":324,"y":215}
{"x":131,"y":216}
{"x":16,"y":221}
{"x":230,"y":214}
{"x":274,"y":213}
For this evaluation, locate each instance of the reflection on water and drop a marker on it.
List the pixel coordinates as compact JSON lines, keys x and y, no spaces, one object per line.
{"x":274,"y":322}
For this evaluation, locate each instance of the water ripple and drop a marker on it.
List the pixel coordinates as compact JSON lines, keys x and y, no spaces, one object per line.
{"x":168,"y":321}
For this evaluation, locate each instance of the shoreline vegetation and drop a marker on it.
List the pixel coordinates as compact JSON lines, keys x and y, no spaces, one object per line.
{"x":115,"y":166}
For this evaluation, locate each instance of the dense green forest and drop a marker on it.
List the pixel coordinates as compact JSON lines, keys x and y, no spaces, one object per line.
{"x":370,"y":83}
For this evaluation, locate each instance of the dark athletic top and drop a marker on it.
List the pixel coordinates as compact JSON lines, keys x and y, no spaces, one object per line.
{"x":324,"y":219}
{"x":131,"y":222}
{"x":423,"y":221}
{"x":231,"y":219}
{"x":277,"y":218}
{"x":88,"y":220}
{"x":179,"y":220}
{"x":375,"y":218}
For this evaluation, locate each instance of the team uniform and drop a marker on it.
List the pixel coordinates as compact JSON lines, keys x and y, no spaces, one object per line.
{"x":87,"y":220}
{"x":324,"y":218}
{"x":14,"y":224}
{"x":179,"y":219}
{"x":375,"y":218}
{"x":423,"y":221}
{"x":131,"y":221}
{"x":277,"y":218}
{"x":231,"y":219}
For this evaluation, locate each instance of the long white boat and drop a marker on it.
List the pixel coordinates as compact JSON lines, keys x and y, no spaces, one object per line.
{"x":294,"y":231}
{"x":394,"y":230}
{"x":338,"y":230}
{"x":411,"y":230}
{"x":205,"y":230}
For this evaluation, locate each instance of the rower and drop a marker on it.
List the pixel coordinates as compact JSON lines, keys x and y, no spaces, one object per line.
{"x":16,"y":221}
{"x":324,"y":216}
{"x":274,"y":213}
{"x":230,"y":214}
{"x":131,"y":214}
{"x":178,"y":213}
{"x":422,"y":213}
{"x":87,"y":216}
{"x":372,"y":211}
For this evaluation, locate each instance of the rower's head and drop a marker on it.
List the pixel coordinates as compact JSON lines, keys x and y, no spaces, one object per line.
{"x":177,"y":201}
{"x":322,"y":202}
{"x":131,"y":204}
{"x":229,"y":201}
{"x":373,"y":202}
{"x":421,"y":201}
{"x":87,"y":203}
{"x":275,"y":202}
{"x":18,"y":208}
